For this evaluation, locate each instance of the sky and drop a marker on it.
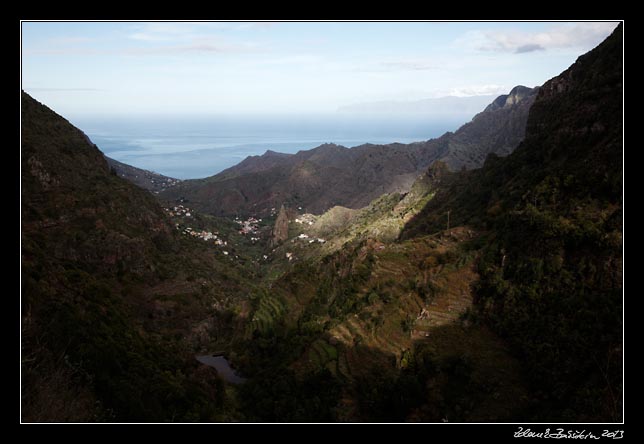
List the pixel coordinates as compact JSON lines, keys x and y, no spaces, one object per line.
{"x":189,"y":68}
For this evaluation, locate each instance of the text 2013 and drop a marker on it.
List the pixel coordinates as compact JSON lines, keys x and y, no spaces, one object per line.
{"x":570,"y":434}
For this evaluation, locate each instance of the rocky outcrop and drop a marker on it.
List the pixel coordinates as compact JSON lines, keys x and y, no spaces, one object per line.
{"x":499,"y":129}
{"x":517,"y":94}
{"x":280,"y":230}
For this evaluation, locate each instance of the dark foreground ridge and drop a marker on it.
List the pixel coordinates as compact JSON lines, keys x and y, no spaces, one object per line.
{"x":551,"y":275}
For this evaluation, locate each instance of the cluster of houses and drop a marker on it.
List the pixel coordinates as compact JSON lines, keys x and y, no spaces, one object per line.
{"x":305,"y":219}
{"x":249,"y":226}
{"x":205,"y":235}
{"x":164,"y":182}
{"x":179,"y":211}
{"x":310,"y":240}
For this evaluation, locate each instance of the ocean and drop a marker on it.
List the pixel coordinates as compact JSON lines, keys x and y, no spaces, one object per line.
{"x":195,"y":147}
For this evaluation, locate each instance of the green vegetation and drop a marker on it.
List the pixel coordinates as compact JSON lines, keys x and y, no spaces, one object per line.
{"x":268,"y":312}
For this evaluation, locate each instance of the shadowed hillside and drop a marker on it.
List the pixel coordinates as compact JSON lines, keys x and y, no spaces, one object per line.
{"x":551,"y":277}
{"x":110,"y":293}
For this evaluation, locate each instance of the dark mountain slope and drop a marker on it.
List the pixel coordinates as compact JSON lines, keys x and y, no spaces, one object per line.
{"x":101,"y":270}
{"x":551,"y":273}
{"x":332,"y":175}
{"x":254,"y":164}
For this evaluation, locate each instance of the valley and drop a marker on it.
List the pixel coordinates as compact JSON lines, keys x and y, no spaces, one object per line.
{"x":476,"y":277}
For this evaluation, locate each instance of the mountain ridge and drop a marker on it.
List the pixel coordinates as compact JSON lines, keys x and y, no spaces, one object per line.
{"x":330,"y":174}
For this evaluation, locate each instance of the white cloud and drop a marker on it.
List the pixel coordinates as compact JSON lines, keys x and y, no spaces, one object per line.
{"x":477,"y":90}
{"x":157,"y":46}
{"x":190,"y":37}
{"x":202,"y":45}
{"x":585,"y":35}
{"x":170,"y":31}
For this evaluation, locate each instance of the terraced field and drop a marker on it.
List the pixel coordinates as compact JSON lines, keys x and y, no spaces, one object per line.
{"x":408,"y":316}
{"x":270,"y":310}
{"x":451,"y":301}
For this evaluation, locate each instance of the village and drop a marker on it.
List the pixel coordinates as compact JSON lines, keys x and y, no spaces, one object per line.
{"x":164,"y":183}
{"x":306,"y":219}
{"x":304,"y":236}
{"x":249,"y":226}
{"x":178,"y":211}
{"x":181,"y":210}
{"x":307,"y":241}
{"x":205,"y":235}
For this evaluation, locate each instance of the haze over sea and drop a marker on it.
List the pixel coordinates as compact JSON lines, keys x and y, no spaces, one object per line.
{"x":195,"y":147}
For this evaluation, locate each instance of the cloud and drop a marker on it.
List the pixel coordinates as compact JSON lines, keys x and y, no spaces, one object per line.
{"x":477,"y":90}
{"x":530,"y":47}
{"x":163,"y":32}
{"x":582,"y":35}
{"x":195,"y":46}
{"x":191,"y":37}
{"x":154,"y":47}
